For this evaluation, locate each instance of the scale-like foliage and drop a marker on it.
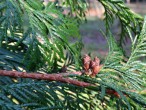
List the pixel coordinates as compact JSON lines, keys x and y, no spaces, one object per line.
{"x":43,"y":30}
{"x":37,"y":37}
{"x":42,"y":96}
{"x":138,"y":46}
{"x":129,"y":20}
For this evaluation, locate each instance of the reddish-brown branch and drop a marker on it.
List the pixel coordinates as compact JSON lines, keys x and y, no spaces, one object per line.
{"x":112,"y":92}
{"x":49,"y":77}
{"x":62,"y":77}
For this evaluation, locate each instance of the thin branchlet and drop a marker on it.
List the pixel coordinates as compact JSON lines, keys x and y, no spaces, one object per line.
{"x":50,"y":77}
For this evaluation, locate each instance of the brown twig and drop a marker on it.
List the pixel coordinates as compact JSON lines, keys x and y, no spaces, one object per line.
{"x":62,"y":77}
{"x":50,"y":77}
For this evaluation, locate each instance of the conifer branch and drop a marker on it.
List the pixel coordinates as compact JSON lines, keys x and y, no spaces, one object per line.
{"x":50,"y":77}
{"x":62,"y":77}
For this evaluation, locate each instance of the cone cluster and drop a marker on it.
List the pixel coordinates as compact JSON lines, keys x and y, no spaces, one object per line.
{"x":91,"y":67}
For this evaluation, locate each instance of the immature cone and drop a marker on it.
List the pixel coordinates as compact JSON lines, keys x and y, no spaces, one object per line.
{"x":95,"y":66}
{"x":97,"y":61}
{"x":86,"y":63}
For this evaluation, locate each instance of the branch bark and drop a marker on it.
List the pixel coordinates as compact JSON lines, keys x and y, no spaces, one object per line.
{"x":62,"y":77}
{"x":50,"y":77}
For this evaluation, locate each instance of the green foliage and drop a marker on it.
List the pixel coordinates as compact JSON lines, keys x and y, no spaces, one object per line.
{"x":37,"y":37}
{"x":46,"y":24}
{"x":129,"y":20}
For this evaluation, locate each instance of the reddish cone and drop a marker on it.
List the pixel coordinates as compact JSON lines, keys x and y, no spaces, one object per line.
{"x":86,"y":63}
{"x":97,"y":61}
{"x":95,"y":66}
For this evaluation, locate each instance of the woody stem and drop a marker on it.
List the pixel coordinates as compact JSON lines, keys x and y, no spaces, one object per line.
{"x":62,"y":77}
{"x":50,"y":77}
